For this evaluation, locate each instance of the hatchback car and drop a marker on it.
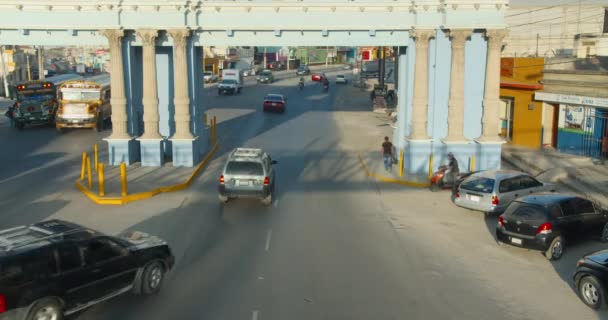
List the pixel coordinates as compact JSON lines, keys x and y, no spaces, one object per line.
{"x":547,"y":221}
{"x":491,"y":191}
{"x":591,"y":279}
{"x":265,"y":76}
{"x":275,"y":102}
{"x":303,"y":70}
{"x":56,"y":268}
{"x":341,"y":79}
{"x":248,"y":173}
{"x":318,"y":77}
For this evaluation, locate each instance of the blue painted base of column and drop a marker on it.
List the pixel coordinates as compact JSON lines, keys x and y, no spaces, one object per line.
{"x":122,"y":150}
{"x":489,"y":154}
{"x":417,"y":157}
{"x":152,"y":153}
{"x":203,"y":141}
{"x":464,"y":151}
{"x":186,"y":152}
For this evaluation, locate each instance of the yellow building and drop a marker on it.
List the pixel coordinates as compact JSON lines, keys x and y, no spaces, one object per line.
{"x":521,"y":115}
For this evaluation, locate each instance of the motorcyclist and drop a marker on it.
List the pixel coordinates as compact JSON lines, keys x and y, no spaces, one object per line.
{"x":301,"y":84}
{"x":325,"y":84}
{"x":453,"y":170}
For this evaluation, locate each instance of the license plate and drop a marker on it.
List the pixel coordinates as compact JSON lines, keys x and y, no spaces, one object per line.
{"x":474,"y":198}
{"x":244,"y":183}
{"x":32,"y":118}
{"x":516,"y":241}
{"x":74,"y":121}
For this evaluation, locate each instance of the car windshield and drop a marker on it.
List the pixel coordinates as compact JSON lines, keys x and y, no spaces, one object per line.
{"x":228,"y":81}
{"x":478,"y":184}
{"x":208,"y":73}
{"x":274,"y":98}
{"x":266,"y":73}
{"x":526,"y":211}
{"x":244,"y":168}
{"x":80,"y":95}
{"x":340,"y":76}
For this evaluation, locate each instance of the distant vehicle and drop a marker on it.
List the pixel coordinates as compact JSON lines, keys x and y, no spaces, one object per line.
{"x":341,"y":79}
{"x":591,"y":279}
{"x":37,"y":101}
{"x":210,"y":77}
{"x":248,"y":173}
{"x":265,"y":76}
{"x":275,"y":102}
{"x":492,"y":191}
{"x":85,"y":104}
{"x":249,"y":72}
{"x":318,"y":77}
{"x":370,"y":70}
{"x":56,"y":268}
{"x":232,"y":82}
{"x":303,"y":70}
{"x":276,"y":65}
{"x":548,"y":221}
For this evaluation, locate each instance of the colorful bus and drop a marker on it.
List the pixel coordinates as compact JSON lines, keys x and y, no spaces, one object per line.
{"x":85,"y":103}
{"x":37,"y":100}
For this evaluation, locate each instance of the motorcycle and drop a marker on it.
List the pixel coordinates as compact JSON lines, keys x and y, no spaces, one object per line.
{"x":325,"y":87}
{"x":438,"y":181}
{"x":301,"y":84}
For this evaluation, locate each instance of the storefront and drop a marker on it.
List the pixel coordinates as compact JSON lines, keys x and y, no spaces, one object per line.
{"x":580,"y":124}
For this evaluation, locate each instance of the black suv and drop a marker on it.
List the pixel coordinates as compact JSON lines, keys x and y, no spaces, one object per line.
{"x":55,"y":268}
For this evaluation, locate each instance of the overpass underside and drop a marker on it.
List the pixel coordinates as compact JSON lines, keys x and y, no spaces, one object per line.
{"x":448,"y":93}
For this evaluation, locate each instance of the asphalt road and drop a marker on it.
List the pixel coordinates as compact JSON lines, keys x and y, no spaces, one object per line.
{"x":334,"y":245}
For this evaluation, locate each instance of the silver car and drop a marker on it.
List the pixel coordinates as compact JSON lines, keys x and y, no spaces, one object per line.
{"x":492,"y":191}
{"x":248,"y":173}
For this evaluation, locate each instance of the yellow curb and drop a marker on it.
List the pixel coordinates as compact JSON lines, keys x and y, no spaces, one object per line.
{"x":147,"y":194}
{"x":391,"y":180}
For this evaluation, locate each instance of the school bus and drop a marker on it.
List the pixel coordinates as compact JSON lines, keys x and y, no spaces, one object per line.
{"x":85,"y":104}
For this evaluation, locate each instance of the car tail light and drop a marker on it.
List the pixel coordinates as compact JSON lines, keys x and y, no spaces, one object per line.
{"x":495,"y":200}
{"x":221,"y":179}
{"x":501,"y":221}
{"x":545,"y":228}
{"x":457,"y":195}
{"x":580,"y":262}
{"x":2,"y":304}
{"x":266,"y":181}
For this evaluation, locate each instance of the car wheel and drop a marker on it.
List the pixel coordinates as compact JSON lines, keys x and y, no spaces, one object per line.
{"x":556,"y":249}
{"x":591,"y":292}
{"x":604,"y":236}
{"x":46,"y":309}
{"x":223,"y":199}
{"x":153,"y":277}
{"x":268,"y":200}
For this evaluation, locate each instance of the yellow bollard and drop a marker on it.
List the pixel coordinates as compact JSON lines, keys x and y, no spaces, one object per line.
{"x":431,"y":166}
{"x":96,"y":156}
{"x":83,"y":165}
{"x":401,"y":163}
{"x":89,"y":175}
{"x":472,"y":164}
{"x":123,"y":179}
{"x":102,"y":183}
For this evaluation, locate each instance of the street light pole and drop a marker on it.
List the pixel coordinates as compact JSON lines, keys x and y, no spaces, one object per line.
{"x":5,"y":78}
{"x":40,"y":64}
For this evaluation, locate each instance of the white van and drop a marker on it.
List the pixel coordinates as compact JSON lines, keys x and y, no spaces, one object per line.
{"x":232,"y":81}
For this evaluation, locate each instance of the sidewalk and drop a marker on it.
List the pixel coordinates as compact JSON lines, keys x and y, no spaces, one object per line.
{"x":579,"y":174}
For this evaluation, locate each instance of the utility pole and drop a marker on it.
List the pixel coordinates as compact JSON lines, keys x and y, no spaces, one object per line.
{"x":537,"y":37}
{"x":29,"y":72}
{"x":265,"y":65}
{"x":326,"y":56}
{"x":40,"y":64}
{"x":4,"y":75}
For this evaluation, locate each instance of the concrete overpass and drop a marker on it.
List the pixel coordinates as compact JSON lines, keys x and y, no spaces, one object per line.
{"x":156,"y":57}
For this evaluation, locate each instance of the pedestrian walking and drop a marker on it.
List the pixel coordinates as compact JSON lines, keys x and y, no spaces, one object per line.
{"x":387,"y":154}
{"x":373,"y":95}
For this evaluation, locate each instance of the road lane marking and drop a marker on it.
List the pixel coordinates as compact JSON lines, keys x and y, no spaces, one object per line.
{"x":268,"y":237}
{"x":254,"y":316}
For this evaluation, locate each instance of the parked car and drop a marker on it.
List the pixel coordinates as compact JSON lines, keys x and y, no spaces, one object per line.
{"x":303,"y":70}
{"x":248,"y":173}
{"x":208,"y":76}
{"x":275,"y":102}
{"x":265,"y":76}
{"x":491,"y":191}
{"x":591,"y":279}
{"x":341,"y":79}
{"x":248,"y":72}
{"x":547,"y":221}
{"x":56,"y":268}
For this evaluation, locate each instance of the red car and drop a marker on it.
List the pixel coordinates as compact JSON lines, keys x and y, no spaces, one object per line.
{"x":318,"y":77}
{"x":275,"y":103}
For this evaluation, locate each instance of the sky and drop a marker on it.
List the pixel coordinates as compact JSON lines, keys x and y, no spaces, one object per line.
{"x":521,"y":3}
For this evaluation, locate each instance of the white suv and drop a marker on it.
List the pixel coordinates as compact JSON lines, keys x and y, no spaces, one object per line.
{"x":248,"y":173}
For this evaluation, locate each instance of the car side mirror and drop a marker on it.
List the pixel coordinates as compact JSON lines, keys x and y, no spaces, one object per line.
{"x":273,"y":162}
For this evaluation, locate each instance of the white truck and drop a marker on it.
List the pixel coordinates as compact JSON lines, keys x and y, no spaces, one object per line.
{"x":232,"y":82}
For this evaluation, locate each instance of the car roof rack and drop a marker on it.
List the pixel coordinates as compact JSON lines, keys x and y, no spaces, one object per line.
{"x":247,"y":152}
{"x":22,"y":236}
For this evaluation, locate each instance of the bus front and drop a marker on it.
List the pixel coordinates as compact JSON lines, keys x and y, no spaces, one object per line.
{"x":36,"y":103}
{"x":80,"y":102}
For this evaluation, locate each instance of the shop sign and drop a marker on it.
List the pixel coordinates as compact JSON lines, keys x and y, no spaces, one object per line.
{"x":575,"y":118}
{"x":570,"y":99}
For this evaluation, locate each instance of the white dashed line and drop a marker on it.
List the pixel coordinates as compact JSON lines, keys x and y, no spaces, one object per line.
{"x":254,"y":315}
{"x":268,"y":237}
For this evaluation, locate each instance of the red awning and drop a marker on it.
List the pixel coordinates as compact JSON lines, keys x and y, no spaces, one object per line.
{"x":520,"y":85}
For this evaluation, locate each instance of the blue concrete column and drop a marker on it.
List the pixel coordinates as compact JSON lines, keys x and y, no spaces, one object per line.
{"x":417,"y":156}
{"x":196,"y":93}
{"x":399,"y":133}
{"x":489,"y":155}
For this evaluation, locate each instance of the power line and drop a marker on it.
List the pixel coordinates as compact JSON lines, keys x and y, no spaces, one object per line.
{"x":547,"y":8}
{"x":560,"y":17}
{"x":554,"y":63}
